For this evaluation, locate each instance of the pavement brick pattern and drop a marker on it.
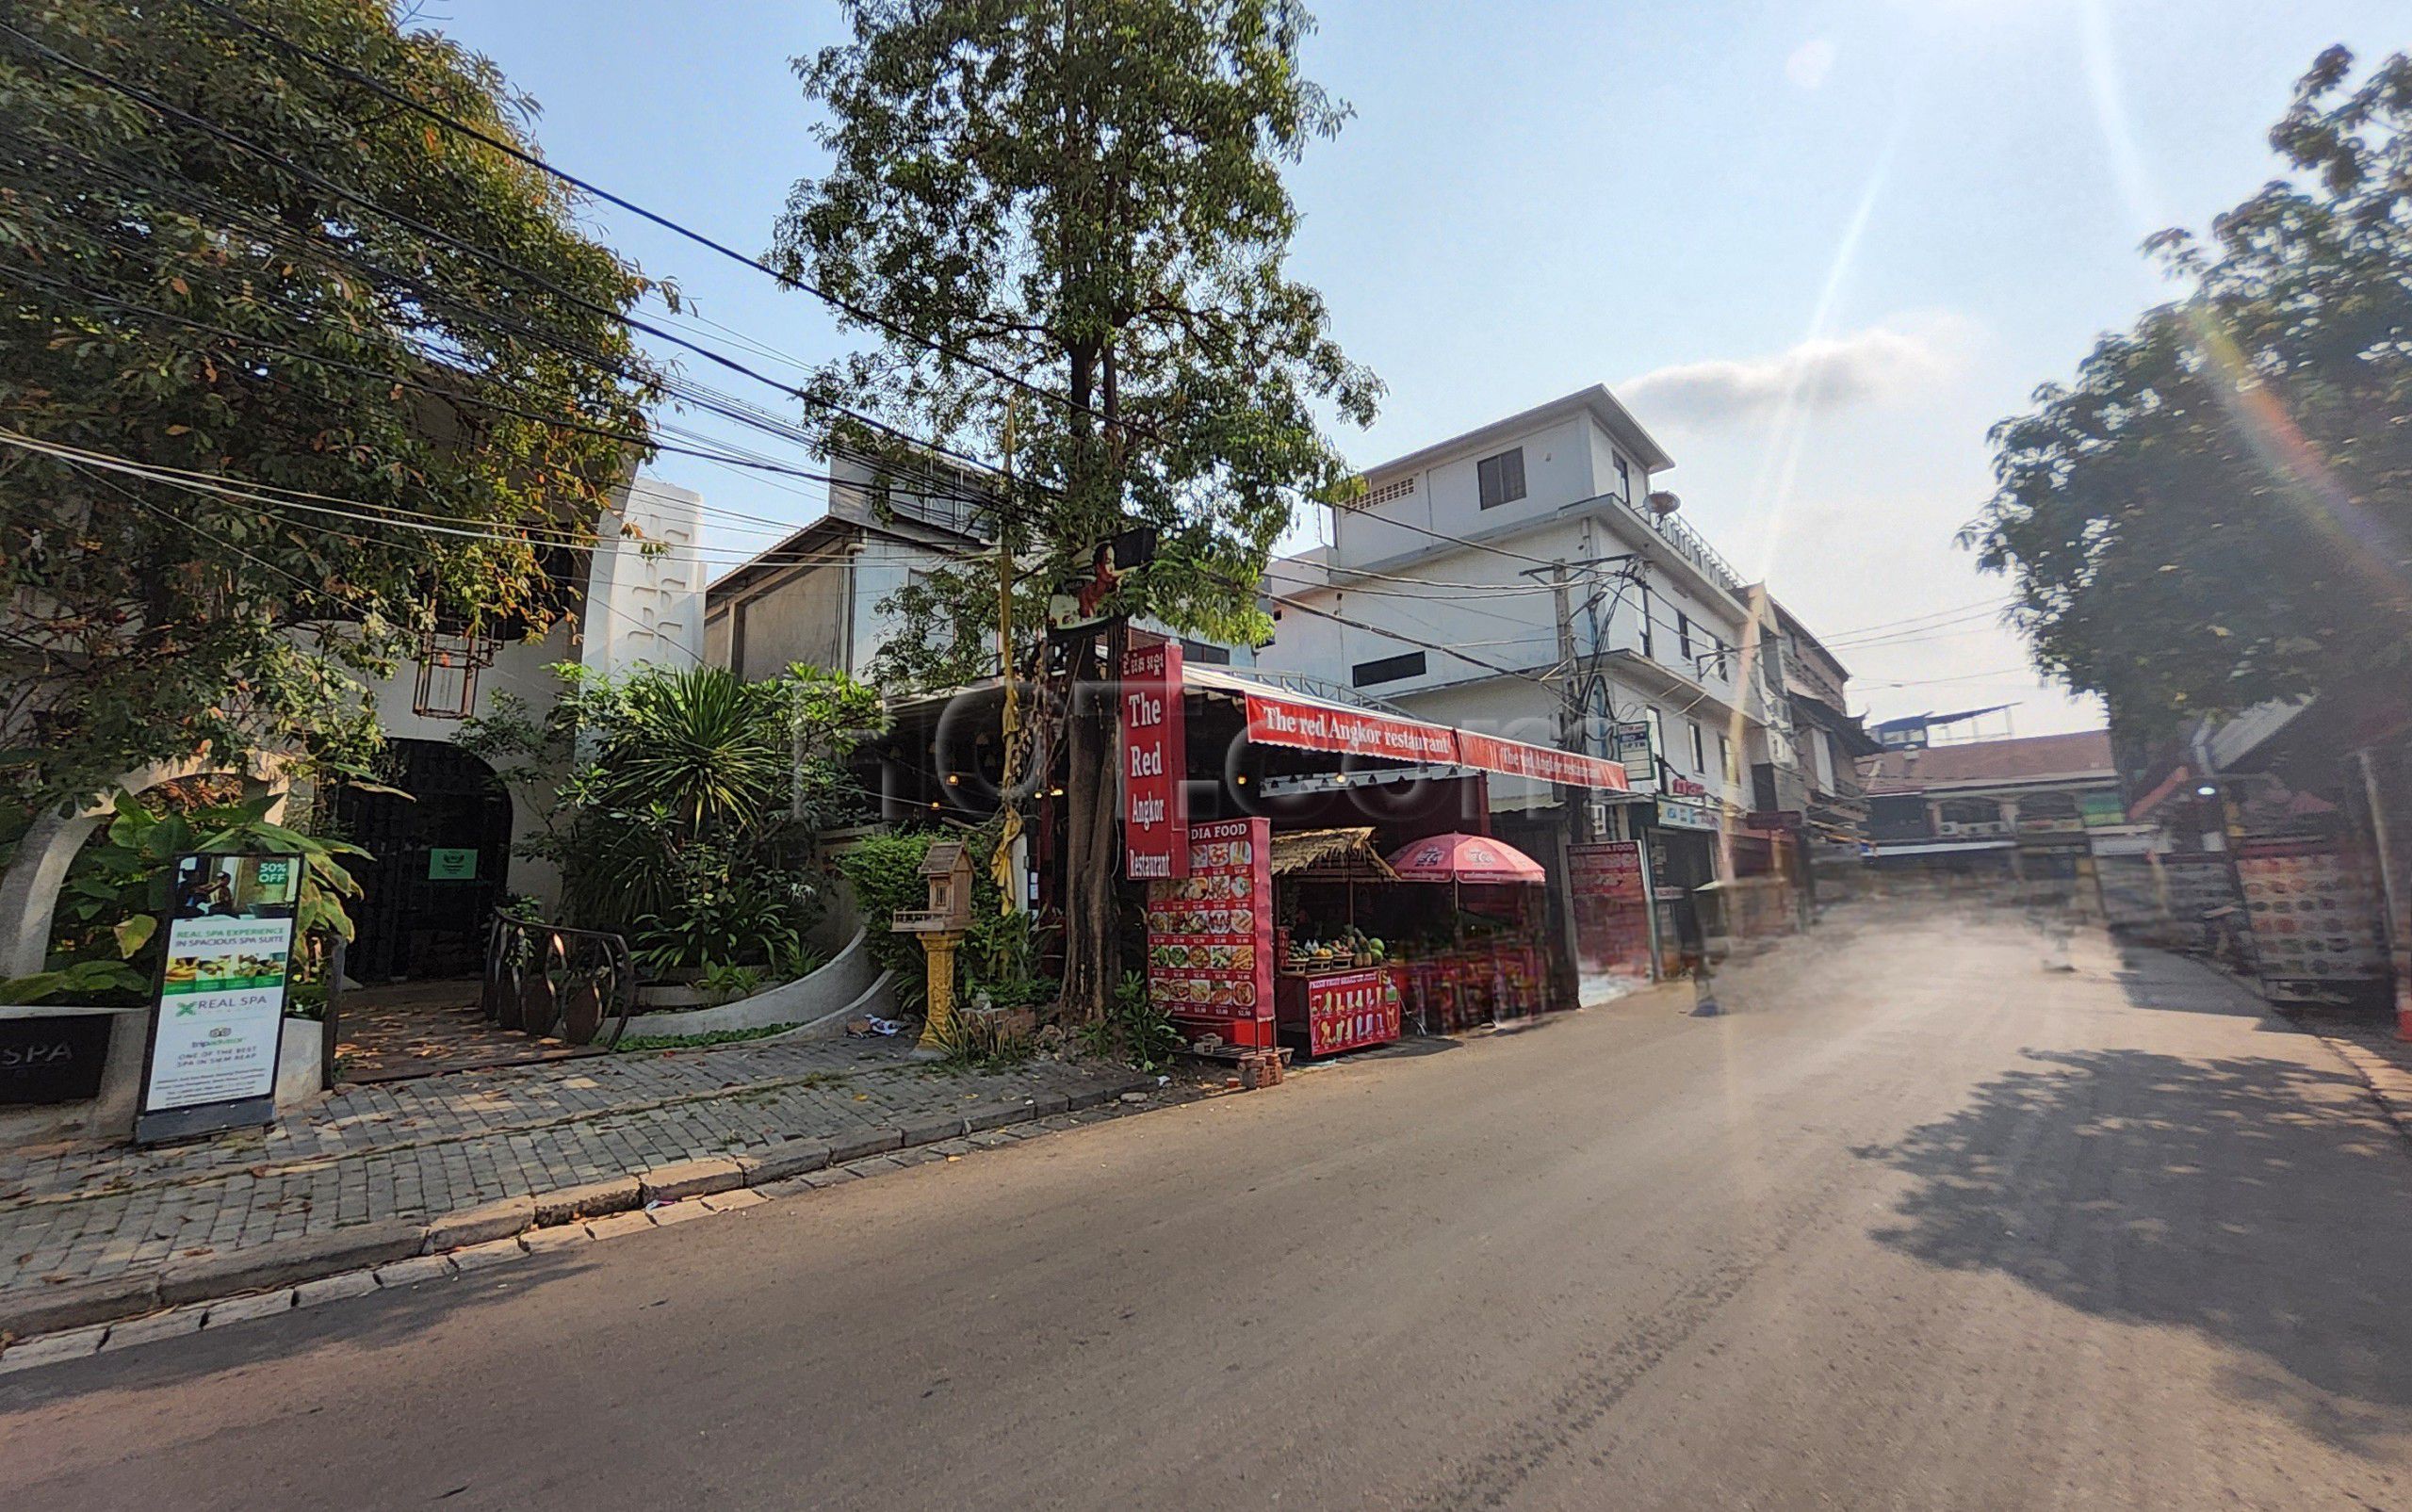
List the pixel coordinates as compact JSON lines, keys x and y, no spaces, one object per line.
{"x":415,"y":1150}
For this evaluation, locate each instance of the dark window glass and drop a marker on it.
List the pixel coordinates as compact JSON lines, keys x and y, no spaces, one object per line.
{"x":1501,"y":478}
{"x":1389,"y":669}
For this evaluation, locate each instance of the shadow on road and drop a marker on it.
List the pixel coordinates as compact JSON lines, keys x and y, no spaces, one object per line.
{"x":2256,"y":1201}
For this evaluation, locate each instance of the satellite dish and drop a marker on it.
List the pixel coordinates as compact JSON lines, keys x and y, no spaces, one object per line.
{"x":1663,"y":503}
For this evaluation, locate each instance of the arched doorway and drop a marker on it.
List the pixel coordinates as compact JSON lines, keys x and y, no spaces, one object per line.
{"x":438,"y":863}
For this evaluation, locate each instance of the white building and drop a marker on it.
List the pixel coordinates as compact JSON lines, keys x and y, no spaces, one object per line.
{"x":1440,"y":594}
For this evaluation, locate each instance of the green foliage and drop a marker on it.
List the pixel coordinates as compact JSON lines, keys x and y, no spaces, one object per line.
{"x":640,"y":1043}
{"x":105,"y":935}
{"x":2218,"y":511}
{"x":1092,"y":197}
{"x":884,"y":870}
{"x":1000,"y":961}
{"x":687,"y":800}
{"x":361,"y":359}
{"x":717,"y":917}
{"x":84,"y":982}
{"x":1134,"y":1028}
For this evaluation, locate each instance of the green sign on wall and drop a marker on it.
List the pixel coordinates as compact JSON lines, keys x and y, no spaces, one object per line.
{"x":452,"y":865}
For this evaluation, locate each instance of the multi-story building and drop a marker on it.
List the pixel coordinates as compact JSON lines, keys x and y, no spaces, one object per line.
{"x":2001,"y":808}
{"x":1523,"y":579}
{"x":1830,"y":743}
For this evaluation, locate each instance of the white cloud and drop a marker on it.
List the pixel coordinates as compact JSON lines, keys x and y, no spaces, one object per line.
{"x":1824,"y":373}
{"x":1810,"y":62}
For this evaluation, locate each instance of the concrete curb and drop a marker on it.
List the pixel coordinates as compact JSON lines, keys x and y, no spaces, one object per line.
{"x":46,"y":1325}
{"x":2389,"y":1084}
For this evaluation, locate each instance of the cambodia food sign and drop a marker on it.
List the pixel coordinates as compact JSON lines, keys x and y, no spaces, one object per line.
{"x":220,"y":1008}
{"x":1347,"y":1009}
{"x":1210,"y":933}
{"x":1155,"y":764}
{"x":1610,"y":882}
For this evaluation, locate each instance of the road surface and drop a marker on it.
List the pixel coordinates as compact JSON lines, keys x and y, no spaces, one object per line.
{"x":1920,"y":1223}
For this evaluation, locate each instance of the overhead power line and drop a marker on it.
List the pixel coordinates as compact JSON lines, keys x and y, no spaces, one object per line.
{"x":234,"y":140}
{"x":786,"y":278}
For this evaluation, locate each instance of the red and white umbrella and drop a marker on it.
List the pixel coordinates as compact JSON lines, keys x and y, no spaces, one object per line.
{"x":1469,"y":858}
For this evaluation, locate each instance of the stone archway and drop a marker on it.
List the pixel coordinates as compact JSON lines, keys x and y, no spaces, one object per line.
{"x":30,"y":884}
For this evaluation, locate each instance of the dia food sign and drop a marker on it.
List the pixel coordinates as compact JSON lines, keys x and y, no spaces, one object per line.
{"x":1155,"y":763}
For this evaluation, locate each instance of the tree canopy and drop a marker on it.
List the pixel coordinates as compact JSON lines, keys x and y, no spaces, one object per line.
{"x":2218,"y":511}
{"x":397,"y":339}
{"x":1066,"y":217}
{"x":1086,"y":197}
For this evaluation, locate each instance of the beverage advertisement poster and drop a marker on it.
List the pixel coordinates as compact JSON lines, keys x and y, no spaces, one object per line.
{"x":220,"y":1008}
{"x":1347,"y":1009}
{"x":1210,"y":935}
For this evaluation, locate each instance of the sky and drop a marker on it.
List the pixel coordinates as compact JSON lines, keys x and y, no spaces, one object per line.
{"x":1818,"y":247}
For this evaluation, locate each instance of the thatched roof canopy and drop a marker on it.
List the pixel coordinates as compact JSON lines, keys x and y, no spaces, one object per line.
{"x":1330,"y":856}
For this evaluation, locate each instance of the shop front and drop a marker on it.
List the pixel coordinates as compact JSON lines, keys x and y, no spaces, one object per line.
{"x":1337,"y":885}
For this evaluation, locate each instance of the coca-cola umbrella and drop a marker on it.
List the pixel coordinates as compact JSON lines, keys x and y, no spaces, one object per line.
{"x":1468,"y":858}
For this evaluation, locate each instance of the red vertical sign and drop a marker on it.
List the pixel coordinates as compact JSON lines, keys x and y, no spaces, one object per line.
{"x":1155,"y":764}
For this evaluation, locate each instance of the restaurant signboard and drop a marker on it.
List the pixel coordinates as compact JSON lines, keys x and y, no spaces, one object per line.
{"x":1155,"y":764}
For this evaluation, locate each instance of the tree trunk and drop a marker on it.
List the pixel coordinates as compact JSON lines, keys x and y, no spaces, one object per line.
{"x":1092,"y":965}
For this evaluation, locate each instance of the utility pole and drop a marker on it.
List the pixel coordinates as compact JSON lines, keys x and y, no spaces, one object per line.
{"x":1569,"y":715}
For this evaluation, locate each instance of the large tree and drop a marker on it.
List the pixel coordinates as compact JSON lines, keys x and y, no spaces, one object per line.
{"x":265,"y":272}
{"x":1083,"y":197}
{"x":2218,"y":511}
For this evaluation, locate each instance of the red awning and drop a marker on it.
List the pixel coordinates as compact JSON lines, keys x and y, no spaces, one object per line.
{"x":1307,"y":724}
{"x":1459,"y":857}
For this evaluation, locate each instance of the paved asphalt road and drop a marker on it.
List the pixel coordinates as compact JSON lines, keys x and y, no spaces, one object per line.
{"x":1920,"y":1224}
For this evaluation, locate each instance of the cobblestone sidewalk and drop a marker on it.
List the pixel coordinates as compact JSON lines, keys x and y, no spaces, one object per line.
{"x":415,"y":1150}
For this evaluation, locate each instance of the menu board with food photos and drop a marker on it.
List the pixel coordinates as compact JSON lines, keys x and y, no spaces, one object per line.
{"x":2315,"y":914}
{"x":1210,"y":935}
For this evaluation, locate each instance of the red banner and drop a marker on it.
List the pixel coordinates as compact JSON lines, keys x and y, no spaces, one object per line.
{"x":1347,"y":1009}
{"x":1516,"y":758}
{"x":1347,"y":731}
{"x":1155,"y":764}
{"x":1210,"y":936}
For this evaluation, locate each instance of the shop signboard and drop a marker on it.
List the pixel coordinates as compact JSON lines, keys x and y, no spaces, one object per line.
{"x":1155,"y":764}
{"x":1775,"y":820}
{"x":452,"y":864}
{"x":1349,"y":1009}
{"x":53,"y":1059}
{"x":220,"y":1012}
{"x":1610,"y":881}
{"x":1304,"y":726}
{"x":2314,"y":912}
{"x":2100,"y":810}
{"x":1081,"y":600}
{"x":1686,"y":816}
{"x":1210,"y":935}
{"x":1516,"y":758}
{"x":1629,"y":747}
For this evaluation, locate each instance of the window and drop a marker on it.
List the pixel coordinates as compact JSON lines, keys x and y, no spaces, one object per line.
{"x":1648,"y":615}
{"x":1683,"y":635}
{"x":1717,"y":650}
{"x":1389,"y":669}
{"x":1724,"y":755}
{"x":1700,"y":752}
{"x":1501,"y":478}
{"x":1625,"y":478}
{"x":1199,"y":652}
